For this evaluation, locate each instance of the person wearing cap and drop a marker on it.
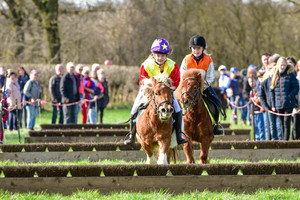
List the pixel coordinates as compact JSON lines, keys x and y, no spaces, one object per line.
{"x":265,"y":98}
{"x":54,"y":89}
{"x":32,"y":91}
{"x":14,"y":101}
{"x":89,"y":90}
{"x":159,"y":63}
{"x":197,"y":59}
{"x":224,"y":78}
{"x":235,"y":95}
{"x":69,"y":87}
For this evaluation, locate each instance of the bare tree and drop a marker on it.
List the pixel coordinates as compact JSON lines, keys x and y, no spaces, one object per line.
{"x":15,"y":14}
{"x":48,"y":11}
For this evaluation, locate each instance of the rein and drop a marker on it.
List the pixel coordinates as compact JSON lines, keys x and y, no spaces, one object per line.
{"x":194,"y":96}
{"x":161,"y":103}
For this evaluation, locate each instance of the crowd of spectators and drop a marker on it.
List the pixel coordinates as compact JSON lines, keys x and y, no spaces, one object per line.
{"x":273,"y":92}
{"x":76,"y":90}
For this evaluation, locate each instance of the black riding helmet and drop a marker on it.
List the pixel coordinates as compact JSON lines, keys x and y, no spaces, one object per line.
{"x":197,"y":41}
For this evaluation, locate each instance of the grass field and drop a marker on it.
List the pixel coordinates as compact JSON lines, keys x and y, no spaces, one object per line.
{"x":118,"y":114}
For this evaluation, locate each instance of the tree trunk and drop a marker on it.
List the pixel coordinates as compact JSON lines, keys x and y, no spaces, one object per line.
{"x":16,"y":16}
{"x":48,"y":11}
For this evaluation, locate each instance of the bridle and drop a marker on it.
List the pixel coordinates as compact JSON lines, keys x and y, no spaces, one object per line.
{"x":157,"y":106}
{"x":194,"y":96}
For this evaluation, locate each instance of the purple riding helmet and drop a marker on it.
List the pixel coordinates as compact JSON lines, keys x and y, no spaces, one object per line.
{"x":160,"y":46}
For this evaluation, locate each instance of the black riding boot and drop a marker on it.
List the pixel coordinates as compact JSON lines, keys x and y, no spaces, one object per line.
{"x":177,"y":126}
{"x":130,"y":137}
{"x":215,"y":108}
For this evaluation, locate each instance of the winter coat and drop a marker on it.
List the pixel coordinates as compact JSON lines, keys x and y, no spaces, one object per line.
{"x":22,"y":80}
{"x":298,"y":95}
{"x":105,"y":100}
{"x":246,"y":89}
{"x":284,"y":88}
{"x":32,"y":90}
{"x":14,"y":95}
{"x":54,"y":88}
{"x":66,"y":88}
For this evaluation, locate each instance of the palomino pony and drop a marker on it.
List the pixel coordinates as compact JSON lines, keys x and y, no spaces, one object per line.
{"x":154,"y":125}
{"x":197,"y":122}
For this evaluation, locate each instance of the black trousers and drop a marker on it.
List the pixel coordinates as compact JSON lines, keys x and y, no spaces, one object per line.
{"x":285,"y":122}
{"x":69,"y":114}
{"x":296,"y":127}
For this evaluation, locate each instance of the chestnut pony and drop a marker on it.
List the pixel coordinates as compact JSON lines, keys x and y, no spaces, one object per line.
{"x":197,"y":122}
{"x":154,"y":125}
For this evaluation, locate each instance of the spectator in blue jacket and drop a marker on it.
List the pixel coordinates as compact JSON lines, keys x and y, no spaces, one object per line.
{"x":235,"y":96}
{"x":284,"y":88}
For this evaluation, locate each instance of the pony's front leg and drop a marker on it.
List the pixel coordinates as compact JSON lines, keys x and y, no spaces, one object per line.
{"x":162,"y":156}
{"x":189,"y":152}
{"x":151,"y":159}
{"x":204,"y":152}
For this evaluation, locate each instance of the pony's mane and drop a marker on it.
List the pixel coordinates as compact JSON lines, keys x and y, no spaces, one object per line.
{"x":146,"y":87}
{"x":194,"y":73}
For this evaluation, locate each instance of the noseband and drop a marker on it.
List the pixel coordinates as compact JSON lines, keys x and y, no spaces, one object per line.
{"x":195,"y":100}
{"x":161,"y":103}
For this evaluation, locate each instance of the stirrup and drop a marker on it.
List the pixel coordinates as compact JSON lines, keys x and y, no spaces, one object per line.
{"x":181,"y":140}
{"x":129,"y":139}
{"x":217,"y":131}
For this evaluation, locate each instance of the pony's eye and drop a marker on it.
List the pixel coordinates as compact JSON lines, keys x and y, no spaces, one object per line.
{"x":156,"y":93}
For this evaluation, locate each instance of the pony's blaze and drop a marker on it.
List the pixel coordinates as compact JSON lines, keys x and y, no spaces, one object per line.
{"x":186,"y":99}
{"x":165,"y":112}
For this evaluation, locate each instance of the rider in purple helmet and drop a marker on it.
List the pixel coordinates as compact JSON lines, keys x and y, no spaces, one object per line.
{"x":158,"y":63}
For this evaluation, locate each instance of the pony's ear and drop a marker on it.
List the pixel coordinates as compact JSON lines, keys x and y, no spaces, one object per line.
{"x":154,"y":81}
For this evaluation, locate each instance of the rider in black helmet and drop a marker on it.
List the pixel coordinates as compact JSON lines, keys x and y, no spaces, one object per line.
{"x":199,"y":60}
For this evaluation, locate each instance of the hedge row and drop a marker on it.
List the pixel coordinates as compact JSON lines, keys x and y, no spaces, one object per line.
{"x":137,"y":146}
{"x":151,"y":170}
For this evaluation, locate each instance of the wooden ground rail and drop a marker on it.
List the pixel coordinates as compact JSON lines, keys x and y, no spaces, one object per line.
{"x":146,"y":178}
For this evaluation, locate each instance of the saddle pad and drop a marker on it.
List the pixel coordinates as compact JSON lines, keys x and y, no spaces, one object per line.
{"x":210,"y":115}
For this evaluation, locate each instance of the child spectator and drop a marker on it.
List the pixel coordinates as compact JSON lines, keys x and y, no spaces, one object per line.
{"x":4,"y":115}
{"x":224,"y":78}
{"x":13,"y":101}
{"x":258,"y":113}
{"x":284,"y":88}
{"x":235,"y":96}
{"x":251,"y":72}
{"x":89,"y":88}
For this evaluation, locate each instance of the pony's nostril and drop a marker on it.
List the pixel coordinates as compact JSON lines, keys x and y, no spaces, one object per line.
{"x":171,"y":110}
{"x":186,"y":102}
{"x":163,"y":110}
